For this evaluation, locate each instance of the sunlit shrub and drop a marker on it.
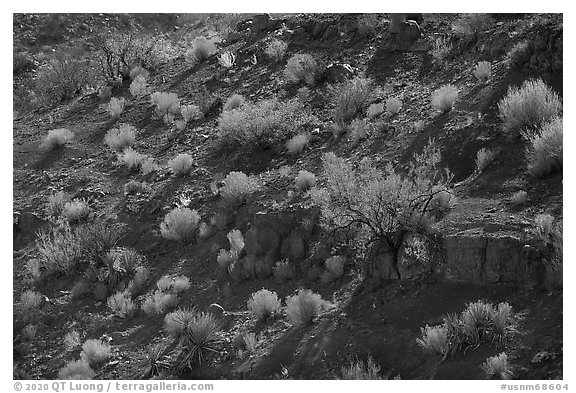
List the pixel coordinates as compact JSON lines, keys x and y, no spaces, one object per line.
{"x":444,"y":98}
{"x":120,"y":138}
{"x":484,"y":157}
{"x":351,"y":98}
{"x":361,"y":371}
{"x":483,"y":71}
{"x":305,"y":180}
{"x":497,"y":367}
{"x":180,"y":224}
{"x":296,"y":144}
{"x":263,"y":304}
{"x":95,"y":351}
{"x":122,"y":305}
{"x":76,"y":211}
{"x":56,"y":202}
{"x":238,"y":187}
{"x":302,"y":67}
{"x":303,"y":307}
{"x":131,"y":159}
{"x":233,"y":102}
{"x":275,"y":49}
{"x":116,"y":107}
{"x":77,"y":370}
{"x":139,"y":87}
{"x":545,"y":148}
{"x":56,"y":138}
{"x":181,"y":165}
{"x":165,"y":103}
{"x":202,"y":48}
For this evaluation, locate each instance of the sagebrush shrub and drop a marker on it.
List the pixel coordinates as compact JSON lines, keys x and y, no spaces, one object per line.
{"x":76,"y":211}
{"x":302,"y":67}
{"x":120,"y":138}
{"x":236,"y":240}
{"x":30,"y":300}
{"x":393,"y":105}
{"x":165,"y":103}
{"x":116,"y":107}
{"x":351,"y":97}
{"x":132,"y":159}
{"x":182,"y":164}
{"x":56,"y":202}
{"x":233,"y":102}
{"x":296,"y":144}
{"x":56,"y":138}
{"x":121,"y":49}
{"x":76,"y":370}
{"x":528,"y":106}
{"x":335,"y":266}
{"x":359,"y":130}
{"x":483,"y":71}
{"x":62,"y":78}
{"x":305,"y":180}
{"x":138,"y":71}
{"x":59,"y":249}
{"x":441,"y":49}
{"x":159,"y":302}
{"x":361,"y":371}
{"x":484,"y":157}
{"x":283,"y":271}
{"x":275,"y":49}
{"x":238,"y":187}
{"x":383,"y":203}
{"x":470,"y":25}
{"x":191,"y":112}
{"x":263,"y":304}
{"x":95,"y":351}
{"x":519,"y":198}
{"x":545,"y":148}
{"x":174,"y":285}
{"x":375,"y":110}
{"x":121,"y":304}
{"x":226,"y":258}
{"x":303,"y":307}
{"x":261,"y":125}
{"x":139,"y":87}
{"x":180,"y":224}
{"x":202,"y":48}
{"x":443,"y":99}
{"x":497,"y":367}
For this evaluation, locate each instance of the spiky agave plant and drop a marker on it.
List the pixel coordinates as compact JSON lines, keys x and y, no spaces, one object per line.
{"x":197,"y":334}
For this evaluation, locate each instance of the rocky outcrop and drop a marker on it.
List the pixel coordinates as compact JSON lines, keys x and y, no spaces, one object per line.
{"x":485,"y":259}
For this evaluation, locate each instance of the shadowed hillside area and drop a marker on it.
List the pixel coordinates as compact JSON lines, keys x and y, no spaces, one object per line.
{"x":287,"y":196}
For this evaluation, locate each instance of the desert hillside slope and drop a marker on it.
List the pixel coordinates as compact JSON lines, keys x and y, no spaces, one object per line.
{"x":376,"y":174}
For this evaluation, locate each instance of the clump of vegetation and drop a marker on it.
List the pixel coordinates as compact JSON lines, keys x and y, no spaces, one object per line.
{"x":180,"y":224}
{"x":202,"y":49}
{"x":56,"y":138}
{"x":121,"y":304}
{"x":359,"y":130}
{"x":132,"y":159}
{"x":182,"y":164}
{"x":236,"y":240}
{"x":305,"y":180}
{"x":519,"y":198}
{"x":263,"y":303}
{"x":497,"y":367}
{"x":296,"y":144}
{"x":441,"y":49}
{"x":361,"y":370}
{"x":116,"y":107}
{"x":275,"y":49}
{"x":393,"y":106}
{"x":191,"y":112}
{"x":56,"y":203}
{"x":519,"y":54}
{"x":77,"y":370}
{"x":444,"y":98}
{"x":528,"y":107}
{"x":363,"y":197}
{"x":545,"y":148}
{"x":470,"y":25}
{"x":303,"y":307}
{"x":335,"y":266}
{"x":62,"y":78}
{"x":544,"y":225}
{"x":195,"y":335}
{"x":120,"y":138}
{"x":375,"y":110}
{"x":483,"y":71}
{"x":479,"y":322}
{"x":283,"y":271}
{"x":261,"y":125}
{"x":233,"y":102}
{"x":173,"y":284}
{"x":76,"y":211}
{"x":302,"y":67}
{"x":165,"y":103}
{"x":72,"y":340}
{"x":95,"y":351}
{"x":139,"y":87}
{"x":159,"y":302}
{"x":351,"y":98}
{"x":238,"y":187}
{"x":137,"y":72}
{"x":484,"y":157}
{"x":30,"y":300}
